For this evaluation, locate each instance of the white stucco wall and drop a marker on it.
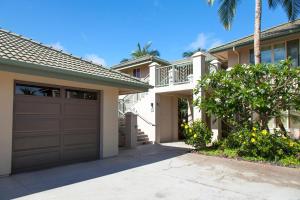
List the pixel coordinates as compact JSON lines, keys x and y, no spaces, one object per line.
{"x":168,"y":117}
{"x":108,"y":110}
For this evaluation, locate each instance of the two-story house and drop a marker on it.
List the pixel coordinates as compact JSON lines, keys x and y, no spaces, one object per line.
{"x":157,"y":110}
{"x":278,"y":43}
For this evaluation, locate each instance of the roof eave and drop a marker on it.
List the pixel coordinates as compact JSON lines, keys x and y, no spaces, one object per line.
{"x":212,"y":51}
{"x":130,"y":63}
{"x":52,"y":72}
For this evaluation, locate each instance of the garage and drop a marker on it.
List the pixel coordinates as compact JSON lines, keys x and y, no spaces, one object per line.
{"x":54,"y":125}
{"x":56,"y":108}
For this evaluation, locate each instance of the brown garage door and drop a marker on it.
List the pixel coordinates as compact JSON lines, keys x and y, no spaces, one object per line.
{"x":53,"y":126}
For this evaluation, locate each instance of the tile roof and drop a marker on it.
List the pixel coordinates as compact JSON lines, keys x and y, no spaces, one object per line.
{"x":146,"y":58}
{"x":277,"y":31}
{"x":14,"y":47}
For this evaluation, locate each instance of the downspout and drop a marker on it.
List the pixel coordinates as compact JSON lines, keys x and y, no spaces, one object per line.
{"x":236,"y":53}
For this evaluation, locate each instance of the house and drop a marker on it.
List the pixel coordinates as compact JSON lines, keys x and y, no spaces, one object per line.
{"x":277,"y":43}
{"x":56,"y":108}
{"x":157,"y":109}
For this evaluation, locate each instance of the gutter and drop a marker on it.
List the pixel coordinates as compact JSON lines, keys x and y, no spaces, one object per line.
{"x":54,"y":72}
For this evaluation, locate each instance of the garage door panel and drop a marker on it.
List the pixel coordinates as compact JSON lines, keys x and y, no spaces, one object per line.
{"x":36,"y":142}
{"x":80,"y":109}
{"x":80,"y":123}
{"x":84,"y":152}
{"x":54,"y":129}
{"x":33,"y":159}
{"x":25,"y":123}
{"x":80,"y":137}
{"x":37,"y":108}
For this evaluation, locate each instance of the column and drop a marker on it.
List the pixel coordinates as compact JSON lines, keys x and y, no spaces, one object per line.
{"x":199,"y":71}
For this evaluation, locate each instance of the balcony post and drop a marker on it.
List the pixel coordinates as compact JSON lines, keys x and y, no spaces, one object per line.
{"x":152,"y":74}
{"x":171,"y":74}
{"x":199,"y":71}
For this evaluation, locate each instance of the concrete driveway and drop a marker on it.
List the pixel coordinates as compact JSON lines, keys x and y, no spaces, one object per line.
{"x":156,"y":172}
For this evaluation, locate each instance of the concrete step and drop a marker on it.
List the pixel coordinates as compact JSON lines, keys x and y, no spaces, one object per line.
{"x":143,"y":139}
{"x":142,"y":136}
{"x":141,"y":133}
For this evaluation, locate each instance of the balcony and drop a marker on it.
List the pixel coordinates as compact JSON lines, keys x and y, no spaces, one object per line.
{"x":174,"y":74}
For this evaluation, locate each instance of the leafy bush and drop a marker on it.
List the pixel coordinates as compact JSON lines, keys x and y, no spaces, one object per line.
{"x":197,"y":134}
{"x":289,"y":161}
{"x":265,"y":89}
{"x":261,"y":143}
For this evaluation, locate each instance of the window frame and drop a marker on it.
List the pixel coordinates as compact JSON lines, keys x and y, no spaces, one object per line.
{"x":272,"y":50}
{"x":134,"y":72}
{"x":37,"y":85}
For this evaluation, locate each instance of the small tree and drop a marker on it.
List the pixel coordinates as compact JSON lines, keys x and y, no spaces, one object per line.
{"x":238,"y":94}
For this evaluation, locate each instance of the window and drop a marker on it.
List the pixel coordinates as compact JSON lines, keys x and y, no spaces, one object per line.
{"x":293,"y":51}
{"x":251,"y":58}
{"x":32,"y":90}
{"x":266,"y":54}
{"x":77,"y":94}
{"x":137,"y":73}
{"x":279,"y":52}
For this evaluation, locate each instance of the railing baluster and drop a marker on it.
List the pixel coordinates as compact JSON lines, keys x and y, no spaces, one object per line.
{"x":181,"y":73}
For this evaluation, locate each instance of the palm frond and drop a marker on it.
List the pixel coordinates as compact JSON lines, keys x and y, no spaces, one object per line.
{"x":273,"y":3}
{"x":210,"y":2}
{"x":292,"y":8}
{"x":227,"y":12}
{"x":154,"y":53}
{"x":139,"y":52}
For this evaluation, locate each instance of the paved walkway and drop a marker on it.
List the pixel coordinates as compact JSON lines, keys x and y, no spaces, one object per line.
{"x":156,"y":172}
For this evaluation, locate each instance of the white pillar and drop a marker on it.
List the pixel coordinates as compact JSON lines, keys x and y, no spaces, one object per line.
{"x":131,"y":129}
{"x":154,"y":104}
{"x":216,"y":124}
{"x":152,"y":77}
{"x":199,"y":71}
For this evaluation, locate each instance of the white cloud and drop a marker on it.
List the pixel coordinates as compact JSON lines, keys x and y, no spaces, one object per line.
{"x":95,"y":59}
{"x":57,"y":45}
{"x":204,"y":41}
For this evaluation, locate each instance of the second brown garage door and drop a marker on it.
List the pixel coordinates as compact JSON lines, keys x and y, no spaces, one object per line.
{"x":53,"y":126}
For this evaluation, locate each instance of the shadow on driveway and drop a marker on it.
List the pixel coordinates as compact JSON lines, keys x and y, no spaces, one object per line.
{"x":33,"y":182}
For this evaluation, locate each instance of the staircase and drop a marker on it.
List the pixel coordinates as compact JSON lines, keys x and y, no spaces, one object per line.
{"x":142,"y":138}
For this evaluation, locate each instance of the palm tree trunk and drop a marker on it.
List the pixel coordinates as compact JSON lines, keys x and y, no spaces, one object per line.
{"x":257,"y":29}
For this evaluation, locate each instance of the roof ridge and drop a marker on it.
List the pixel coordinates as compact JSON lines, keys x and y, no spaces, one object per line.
{"x":268,"y":29}
{"x":50,"y":47}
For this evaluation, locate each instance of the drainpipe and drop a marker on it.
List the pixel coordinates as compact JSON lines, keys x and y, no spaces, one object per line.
{"x":236,"y":53}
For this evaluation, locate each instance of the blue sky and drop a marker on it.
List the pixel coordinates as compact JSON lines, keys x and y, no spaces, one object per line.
{"x":107,"y":31}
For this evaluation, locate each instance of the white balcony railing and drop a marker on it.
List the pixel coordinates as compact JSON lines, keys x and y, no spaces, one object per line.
{"x":174,"y":74}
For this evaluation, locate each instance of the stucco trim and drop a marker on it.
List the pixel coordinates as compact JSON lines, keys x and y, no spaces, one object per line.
{"x":52,"y":72}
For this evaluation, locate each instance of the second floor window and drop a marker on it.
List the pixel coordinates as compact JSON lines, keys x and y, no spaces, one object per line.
{"x":277,"y":52}
{"x":137,"y":73}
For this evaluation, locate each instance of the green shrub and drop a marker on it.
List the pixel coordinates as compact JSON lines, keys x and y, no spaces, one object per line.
{"x":197,"y":134}
{"x":289,"y":161}
{"x":261,"y":143}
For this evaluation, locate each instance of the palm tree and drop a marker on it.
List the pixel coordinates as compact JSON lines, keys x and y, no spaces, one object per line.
{"x":188,"y":54}
{"x":227,"y":12}
{"x":139,"y":52}
{"x":124,"y":60}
